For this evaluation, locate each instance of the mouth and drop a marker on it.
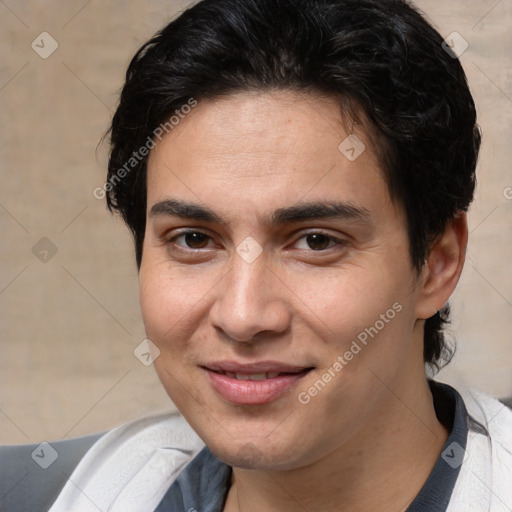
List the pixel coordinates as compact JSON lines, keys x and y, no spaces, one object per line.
{"x":253,"y":384}
{"x":257,"y":376}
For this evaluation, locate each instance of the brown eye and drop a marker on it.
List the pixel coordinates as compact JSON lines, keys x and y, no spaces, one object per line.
{"x":196,"y":240}
{"x":190,"y":240}
{"x":318,"y":242}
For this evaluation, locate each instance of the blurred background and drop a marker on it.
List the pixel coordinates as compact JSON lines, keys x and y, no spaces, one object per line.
{"x":69,"y":313}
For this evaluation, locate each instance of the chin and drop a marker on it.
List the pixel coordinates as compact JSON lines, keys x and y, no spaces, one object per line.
{"x":256,"y":455}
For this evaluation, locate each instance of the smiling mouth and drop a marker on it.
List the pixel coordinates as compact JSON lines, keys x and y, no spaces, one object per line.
{"x":253,"y":388}
{"x":258,"y":376}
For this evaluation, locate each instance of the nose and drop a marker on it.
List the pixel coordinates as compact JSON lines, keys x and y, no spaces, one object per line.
{"x":250,"y":300}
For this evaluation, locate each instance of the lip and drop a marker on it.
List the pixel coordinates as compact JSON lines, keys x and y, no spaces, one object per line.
{"x":256,"y":367}
{"x":253,"y":392}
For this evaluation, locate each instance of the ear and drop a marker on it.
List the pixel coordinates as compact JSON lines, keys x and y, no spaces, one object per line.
{"x":443,"y":267}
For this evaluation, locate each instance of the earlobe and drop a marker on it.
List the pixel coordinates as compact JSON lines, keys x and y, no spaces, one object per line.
{"x":443,"y":267}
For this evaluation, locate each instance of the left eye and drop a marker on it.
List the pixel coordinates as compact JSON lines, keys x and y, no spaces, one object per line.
{"x":319,"y":241}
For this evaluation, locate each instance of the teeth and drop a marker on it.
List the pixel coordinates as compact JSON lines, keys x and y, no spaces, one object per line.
{"x":253,"y":376}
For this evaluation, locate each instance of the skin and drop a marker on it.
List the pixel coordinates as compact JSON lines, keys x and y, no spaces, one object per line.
{"x":244,"y":156}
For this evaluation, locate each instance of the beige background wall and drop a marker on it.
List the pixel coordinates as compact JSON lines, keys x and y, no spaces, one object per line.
{"x":69,"y":325}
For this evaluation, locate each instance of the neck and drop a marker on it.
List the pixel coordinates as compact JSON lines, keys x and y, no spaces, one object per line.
{"x":382,"y":468}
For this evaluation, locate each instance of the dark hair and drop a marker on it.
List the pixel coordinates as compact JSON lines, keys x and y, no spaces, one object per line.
{"x":380,"y":57}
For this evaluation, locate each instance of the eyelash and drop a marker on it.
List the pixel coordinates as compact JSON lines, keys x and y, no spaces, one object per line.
{"x":172,"y":240}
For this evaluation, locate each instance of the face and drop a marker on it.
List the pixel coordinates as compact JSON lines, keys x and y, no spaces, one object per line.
{"x":275,"y":279}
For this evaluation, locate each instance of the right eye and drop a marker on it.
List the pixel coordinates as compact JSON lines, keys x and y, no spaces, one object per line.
{"x":193,"y":240}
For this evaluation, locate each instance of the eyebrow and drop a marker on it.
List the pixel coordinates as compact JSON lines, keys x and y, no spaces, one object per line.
{"x":300,"y":212}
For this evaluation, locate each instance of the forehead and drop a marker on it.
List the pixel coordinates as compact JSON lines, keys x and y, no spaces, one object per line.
{"x":257,"y":150}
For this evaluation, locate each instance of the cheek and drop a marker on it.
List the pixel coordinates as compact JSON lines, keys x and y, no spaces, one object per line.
{"x":174,"y":306}
{"x":157,"y":295}
{"x":168,"y":312}
{"x":344,"y":301}
{"x":368,"y":328}
{"x":362,"y":323}
{"x":169,"y":298}
{"x":165,"y":311}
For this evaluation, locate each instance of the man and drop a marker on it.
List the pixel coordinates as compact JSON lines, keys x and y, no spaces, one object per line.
{"x":296,"y":175}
